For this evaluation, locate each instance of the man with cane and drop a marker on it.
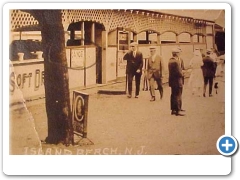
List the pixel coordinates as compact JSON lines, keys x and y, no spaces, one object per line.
{"x":134,"y":68}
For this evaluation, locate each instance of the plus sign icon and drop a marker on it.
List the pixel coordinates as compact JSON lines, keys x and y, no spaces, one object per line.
{"x":227,"y":145}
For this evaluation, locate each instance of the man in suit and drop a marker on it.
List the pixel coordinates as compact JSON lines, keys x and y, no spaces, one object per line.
{"x":175,"y":82}
{"x":155,"y":68}
{"x":181,"y":63}
{"x":134,"y":68}
{"x":208,"y":69}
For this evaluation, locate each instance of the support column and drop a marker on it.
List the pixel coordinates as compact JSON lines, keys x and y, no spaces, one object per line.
{"x":72,"y":34}
{"x":129,"y":37}
{"x":83,"y":34}
{"x":214,"y":33}
{"x":93,"y":33}
{"x":147,"y":37}
{"x":104,"y":56}
{"x":65,"y":26}
{"x":159,"y":42}
{"x":158,"y":39}
{"x":204,"y":39}
{"x":191,"y":39}
{"x":135,"y":37}
{"x":177,"y":40}
{"x":66,"y":35}
{"x":20,"y":35}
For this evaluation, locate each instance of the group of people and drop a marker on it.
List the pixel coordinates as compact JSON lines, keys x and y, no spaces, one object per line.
{"x":202,"y":68}
{"x":134,"y":69}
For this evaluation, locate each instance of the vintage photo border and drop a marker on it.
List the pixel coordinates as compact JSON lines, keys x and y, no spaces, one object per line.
{"x":124,"y":164}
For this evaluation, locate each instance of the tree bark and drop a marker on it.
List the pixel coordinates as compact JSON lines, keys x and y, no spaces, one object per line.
{"x":56,"y":79}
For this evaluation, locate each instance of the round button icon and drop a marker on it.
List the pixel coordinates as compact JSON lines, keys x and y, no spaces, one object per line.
{"x":227,"y":145}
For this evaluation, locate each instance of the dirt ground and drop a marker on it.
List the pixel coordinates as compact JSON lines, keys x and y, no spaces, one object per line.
{"x":118,"y":125}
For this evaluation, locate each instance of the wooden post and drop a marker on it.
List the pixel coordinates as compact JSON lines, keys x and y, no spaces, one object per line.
{"x":83,"y":34}
{"x":104,"y":56}
{"x":135,"y":37}
{"x":158,"y":39}
{"x":93,"y":33}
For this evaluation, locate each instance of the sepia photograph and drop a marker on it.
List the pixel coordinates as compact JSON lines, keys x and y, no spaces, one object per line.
{"x":116,"y":81}
{"x":171,"y":91}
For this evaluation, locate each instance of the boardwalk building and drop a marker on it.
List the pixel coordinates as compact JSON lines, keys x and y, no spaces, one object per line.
{"x":96,"y":41}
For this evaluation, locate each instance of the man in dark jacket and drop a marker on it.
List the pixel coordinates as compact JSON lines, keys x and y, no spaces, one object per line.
{"x":208,"y":69}
{"x":175,"y":82}
{"x":134,"y":68}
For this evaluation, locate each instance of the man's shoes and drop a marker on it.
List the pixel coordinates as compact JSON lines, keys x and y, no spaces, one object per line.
{"x":136,"y":96}
{"x":179,"y":114}
{"x":129,"y":96}
{"x":153,"y":99}
{"x":204,"y":95}
{"x":210,"y":95}
{"x":182,"y":110}
{"x":173,"y":112}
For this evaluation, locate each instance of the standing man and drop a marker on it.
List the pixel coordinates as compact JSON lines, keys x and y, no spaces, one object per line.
{"x":208,"y":69}
{"x":181,"y":64}
{"x":134,"y":68}
{"x":155,"y":68}
{"x":175,"y":82}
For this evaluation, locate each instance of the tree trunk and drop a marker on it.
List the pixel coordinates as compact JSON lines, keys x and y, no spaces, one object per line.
{"x":56,"y":80}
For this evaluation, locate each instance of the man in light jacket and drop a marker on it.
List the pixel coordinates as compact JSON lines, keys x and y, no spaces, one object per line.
{"x":155,"y":69}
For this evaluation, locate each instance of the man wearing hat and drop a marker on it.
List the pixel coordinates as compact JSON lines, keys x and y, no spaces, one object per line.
{"x":176,"y":82}
{"x":134,"y":68}
{"x":208,"y":69}
{"x":155,"y":68}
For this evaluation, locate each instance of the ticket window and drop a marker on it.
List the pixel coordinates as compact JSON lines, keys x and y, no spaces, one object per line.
{"x":123,"y":41}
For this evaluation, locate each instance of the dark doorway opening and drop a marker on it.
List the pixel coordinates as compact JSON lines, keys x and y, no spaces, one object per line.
{"x":75,"y":40}
{"x":220,"y":42}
